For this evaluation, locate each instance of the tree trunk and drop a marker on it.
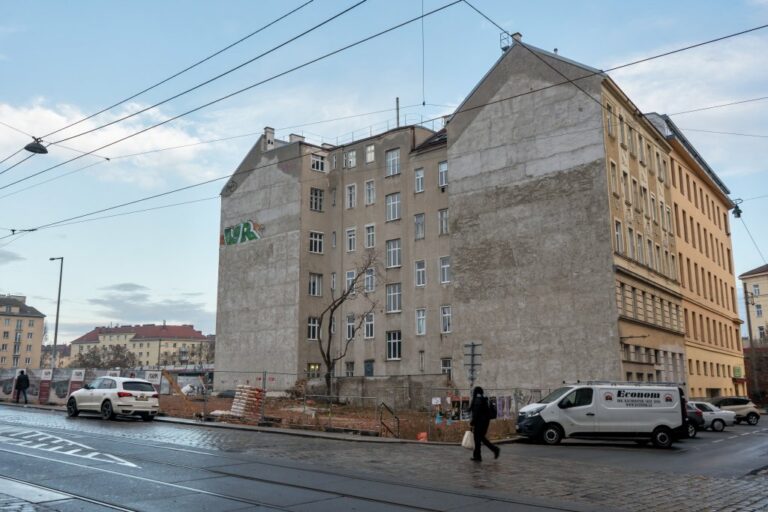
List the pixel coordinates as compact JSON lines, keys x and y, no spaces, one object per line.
{"x":328,"y":383}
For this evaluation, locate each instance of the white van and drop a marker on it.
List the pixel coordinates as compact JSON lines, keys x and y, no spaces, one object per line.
{"x":607,"y":411}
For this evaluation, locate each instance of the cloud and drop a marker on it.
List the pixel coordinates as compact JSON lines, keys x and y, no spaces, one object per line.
{"x":125,"y":287}
{"x":9,"y":257}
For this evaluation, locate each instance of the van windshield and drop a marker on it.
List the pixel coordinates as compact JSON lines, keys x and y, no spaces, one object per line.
{"x":555,"y":395}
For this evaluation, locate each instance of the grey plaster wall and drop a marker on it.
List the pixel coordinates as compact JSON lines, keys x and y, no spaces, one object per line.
{"x":530,"y":242}
{"x":257,"y":317}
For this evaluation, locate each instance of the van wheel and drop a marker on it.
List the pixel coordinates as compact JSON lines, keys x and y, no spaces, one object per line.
{"x":752,"y":418}
{"x":662,"y":437}
{"x":718,"y":425}
{"x":691,"y":431}
{"x":552,"y":434}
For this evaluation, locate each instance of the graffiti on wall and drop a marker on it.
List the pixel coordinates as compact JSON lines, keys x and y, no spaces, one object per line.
{"x":241,"y":233}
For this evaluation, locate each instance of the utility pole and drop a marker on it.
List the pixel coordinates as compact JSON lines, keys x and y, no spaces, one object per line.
{"x":58,"y":303}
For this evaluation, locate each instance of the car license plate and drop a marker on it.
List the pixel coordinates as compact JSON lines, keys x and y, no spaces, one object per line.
{"x":141,"y":398}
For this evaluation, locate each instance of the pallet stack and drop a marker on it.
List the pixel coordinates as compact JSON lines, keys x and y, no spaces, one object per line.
{"x":247,"y":403}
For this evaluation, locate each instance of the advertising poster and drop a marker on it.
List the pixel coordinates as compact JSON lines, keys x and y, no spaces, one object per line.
{"x":44,"y":392}
{"x":113,"y":373}
{"x":154,"y":377}
{"x":76,"y":380}
{"x":59,"y":386}
{"x":34,"y":385}
{"x":7,"y":378}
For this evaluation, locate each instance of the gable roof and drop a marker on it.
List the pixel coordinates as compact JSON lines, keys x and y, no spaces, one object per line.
{"x":144,"y":332}
{"x":24,"y":310}
{"x":755,"y":272}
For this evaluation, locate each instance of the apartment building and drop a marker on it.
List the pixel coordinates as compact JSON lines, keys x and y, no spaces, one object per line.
{"x":23,"y":328}
{"x":755,"y":281}
{"x":538,"y":224}
{"x":151,"y":344}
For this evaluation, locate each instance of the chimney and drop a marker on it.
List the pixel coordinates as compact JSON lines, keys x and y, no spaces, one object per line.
{"x":295,"y":138}
{"x":517,"y":36}
{"x":269,"y":139}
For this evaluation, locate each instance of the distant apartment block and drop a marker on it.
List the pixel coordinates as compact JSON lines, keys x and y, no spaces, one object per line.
{"x":22,"y":329}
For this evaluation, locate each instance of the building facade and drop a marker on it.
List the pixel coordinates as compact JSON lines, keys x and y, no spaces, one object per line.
{"x":755,"y":283}
{"x":537,"y":225}
{"x":23,"y":328}
{"x":153,"y":345}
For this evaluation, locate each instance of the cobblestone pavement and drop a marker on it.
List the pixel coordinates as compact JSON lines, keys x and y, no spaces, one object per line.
{"x":448,"y":466}
{"x":11,"y":504}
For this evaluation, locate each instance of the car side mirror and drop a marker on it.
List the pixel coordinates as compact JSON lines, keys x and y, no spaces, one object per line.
{"x":565,"y":404}
{"x":87,"y":386}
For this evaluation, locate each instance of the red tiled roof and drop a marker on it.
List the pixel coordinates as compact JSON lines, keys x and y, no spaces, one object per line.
{"x":146,"y":331}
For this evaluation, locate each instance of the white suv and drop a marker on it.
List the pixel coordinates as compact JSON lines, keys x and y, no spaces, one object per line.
{"x":743,"y":407}
{"x":113,"y":396}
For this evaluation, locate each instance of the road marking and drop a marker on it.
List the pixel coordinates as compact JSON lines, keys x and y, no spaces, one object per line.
{"x":733,"y":437}
{"x":748,"y":434}
{"x":719,"y":441}
{"x":31,"y":439}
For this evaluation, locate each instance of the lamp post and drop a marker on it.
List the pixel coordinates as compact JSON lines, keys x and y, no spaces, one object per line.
{"x":58,"y":303}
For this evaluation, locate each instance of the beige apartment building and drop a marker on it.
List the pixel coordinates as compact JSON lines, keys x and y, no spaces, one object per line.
{"x":23,"y":328}
{"x":538,"y":224}
{"x":152,"y":344}
{"x":755,"y":284}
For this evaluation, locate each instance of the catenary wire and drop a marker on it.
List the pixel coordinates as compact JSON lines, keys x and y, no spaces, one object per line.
{"x":719,"y":106}
{"x":726,"y":133}
{"x":753,"y":241}
{"x":239,"y":91}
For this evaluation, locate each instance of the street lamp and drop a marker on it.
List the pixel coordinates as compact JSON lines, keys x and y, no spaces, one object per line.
{"x":58,"y":303}
{"x":37,"y":148}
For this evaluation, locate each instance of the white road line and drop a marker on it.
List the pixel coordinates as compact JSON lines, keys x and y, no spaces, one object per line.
{"x":748,"y":434}
{"x":733,"y":437}
{"x":719,"y":441}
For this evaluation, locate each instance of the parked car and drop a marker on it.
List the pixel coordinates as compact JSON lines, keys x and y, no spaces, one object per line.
{"x":113,"y":396}
{"x":743,"y":407}
{"x":695,"y":420}
{"x":714,"y":417}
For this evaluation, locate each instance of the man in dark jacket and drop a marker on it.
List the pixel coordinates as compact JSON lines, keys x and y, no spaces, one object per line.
{"x":481,"y":419}
{"x":22,"y":383}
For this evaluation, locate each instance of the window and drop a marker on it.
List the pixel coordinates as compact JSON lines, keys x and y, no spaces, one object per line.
{"x":442,"y":221}
{"x":418,"y":226}
{"x":313,"y":370}
{"x":641,"y":147}
{"x":333,"y":280}
{"x":653,"y":207}
{"x":419,"y":183}
{"x":315,"y":242}
{"x":349,"y":369}
{"x":622,"y":133}
{"x":31,"y":323}
{"x":755,"y":289}
{"x":370,"y":153}
{"x":351,"y":195}
{"x":393,"y":206}
{"x":351,"y":239}
{"x":445,"y":319}
{"x":313,"y":328}
{"x":392,"y":158}
{"x":758,"y":310}
{"x":29,"y":336}
{"x":333,"y":239}
{"x":370,"y":236}
{"x":445,"y":269}
{"x":369,"y":331}
{"x":614,"y":179}
{"x":421,"y":322}
{"x":639,"y":248}
{"x":625,"y":184}
{"x":393,"y":253}
{"x":394,"y":298}
{"x":631,"y":242}
{"x":368,"y":367}
{"x":761,"y":332}
{"x":370,"y":280}
{"x":316,"y":285}
{"x":446,"y":367}
{"x":316,"y":199}
{"x":370,"y":192}
{"x":318,"y":163}
{"x":394,"y":345}
{"x":420,"y":273}
{"x":609,"y":119}
{"x":631,"y":140}
{"x":442,"y":174}
{"x":350,"y":158}
{"x":619,"y":237}
{"x":350,"y":282}
{"x":350,"y":326}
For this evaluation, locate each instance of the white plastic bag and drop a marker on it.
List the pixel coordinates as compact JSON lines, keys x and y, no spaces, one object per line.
{"x":468,"y":441}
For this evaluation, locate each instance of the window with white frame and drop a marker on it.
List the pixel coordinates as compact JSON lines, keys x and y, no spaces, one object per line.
{"x":313,"y":370}
{"x":445,"y":269}
{"x":370,"y":192}
{"x":756,"y":289}
{"x":420,"y":272}
{"x":394,"y":298}
{"x":333,"y":161}
{"x":393,"y":206}
{"x":368,"y":323}
{"x":351,"y":195}
{"x":392,"y":158}
{"x":653,"y":207}
{"x":758,"y":310}
{"x":442,"y":174}
{"x":370,"y":280}
{"x":442,"y":221}
{"x":631,"y":242}
{"x":333,"y":239}
{"x":418,"y":226}
{"x":370,"y":153}
{"x":445,"y":319}
{"x":349,"y":369}
{"x":350,"y":158}
{"x":394,"y":345}
{"x":316,"y":242}
{"x":370,"y":235}
{"x":351,"y":239}
{"x":418,"y":175}
{"x":316,"y":199}
{"x":446,"y":367}
{"x":350,"y":280}
{"x":333,"y":280}
{"x":639,"y":248}
{"x":350,"y":326}
{"x":619,"y":237}
{"x":313,"y":328}
{"x":318,"y":163}
{"x":421,"y":322}
{"x":315,"y":284}
{"x":393,"y":253}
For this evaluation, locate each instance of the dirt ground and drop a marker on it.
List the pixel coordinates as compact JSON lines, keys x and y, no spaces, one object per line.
{"x":297,"y":413}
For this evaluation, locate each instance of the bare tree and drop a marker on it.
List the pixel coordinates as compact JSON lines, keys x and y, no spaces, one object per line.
{"x":351,"y":291}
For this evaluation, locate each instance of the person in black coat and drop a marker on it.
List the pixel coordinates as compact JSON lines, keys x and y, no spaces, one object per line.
{"x":481,"y":419}
{"x":22,"y":384}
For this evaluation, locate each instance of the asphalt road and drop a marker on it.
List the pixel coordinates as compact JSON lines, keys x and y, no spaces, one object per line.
{"x":100,"y":465}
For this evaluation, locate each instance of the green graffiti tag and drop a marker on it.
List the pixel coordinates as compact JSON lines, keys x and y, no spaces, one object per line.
{"x":241,"y":233}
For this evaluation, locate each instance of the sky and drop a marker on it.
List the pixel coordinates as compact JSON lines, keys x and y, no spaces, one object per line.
{"x":63,"y":61}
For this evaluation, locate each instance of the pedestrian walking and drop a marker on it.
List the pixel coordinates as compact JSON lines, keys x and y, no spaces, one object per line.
{"x":481,"y":419}
{"x":22,"y":383}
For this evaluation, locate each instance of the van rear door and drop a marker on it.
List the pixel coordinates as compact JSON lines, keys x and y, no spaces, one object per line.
{"x":577,"y":412}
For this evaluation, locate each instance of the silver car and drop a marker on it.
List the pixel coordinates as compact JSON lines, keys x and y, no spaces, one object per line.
{"x":714,"y":417}
{"x":113,"y":396}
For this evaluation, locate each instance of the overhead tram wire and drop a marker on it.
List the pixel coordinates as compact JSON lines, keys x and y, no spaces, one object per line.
{"x":220,"y":75}
{"x":719,"y":106}
{"x":753,"y":241}
{"x":240,"y":91}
